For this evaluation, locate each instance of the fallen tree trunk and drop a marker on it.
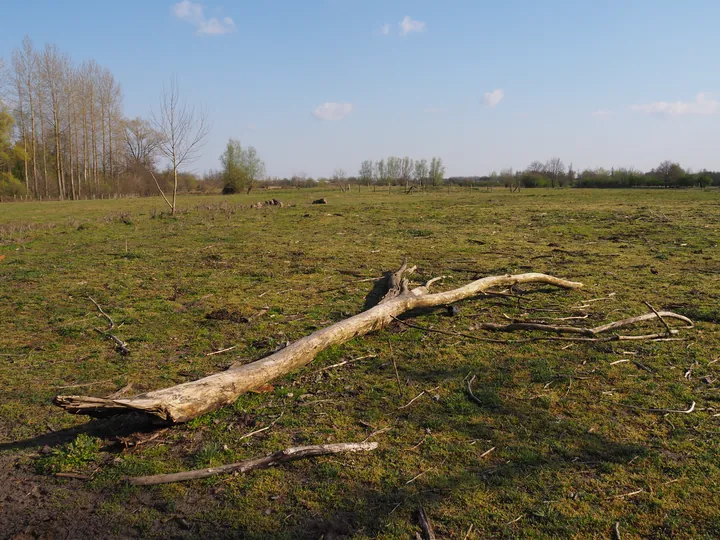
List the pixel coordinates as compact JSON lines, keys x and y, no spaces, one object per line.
{"x":289,"y":454}
{"x":186,"y":401}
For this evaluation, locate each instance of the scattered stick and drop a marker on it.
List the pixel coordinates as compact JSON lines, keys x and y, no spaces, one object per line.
{"x":343,"y":363}
{"x":76,"y":476}
{"x":289,"y":454}
{"x":84,"y":384}
{"x":397,"y":375}
{"x":427,"y":530}
{"x":221,"y":351}
{"x":470,"y":392}
{"x":616,"y":531}
{"x":467,"y":534}
{"x":417,"y":476}
{"x":271,"y":424}
{"x":486,"y":452}
{"x":686,"y":411}
{"x":120,"y":345}
{"x":618,"y":362}
{"x":412,"y":400}
{"x":626,"y":494}
{"x":665,"y":324}
{"x":516,"y":519}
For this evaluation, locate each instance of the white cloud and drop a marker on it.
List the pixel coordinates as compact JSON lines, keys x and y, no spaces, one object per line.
{"x":193,"y":13}
{"x":384,"y":29}
{"x":332,"y":111}
{"x":252,"y":126}
{"x":433,"y":110}
{"x":703,"y":104}
{"x":408,"y":25}
{"x":494,"y":97}
{"x":601,"y":113}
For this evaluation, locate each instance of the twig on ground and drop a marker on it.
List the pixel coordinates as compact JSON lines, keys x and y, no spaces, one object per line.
{"x":221,"y":351}
{"x":412,"y":400}
{"x":467,"y":534}
{"x":397,"y":375}
{"x":343,"y":363}
{"x":427,"y":530}
{"x":470,"y":392}
{"x":665,"y":324}
{"x":486,"y":452}
{"x":626,"y":494}
{"x":289,"y":454}
{"x":686,"y":411}
{"x":377,"y":432}
{"x":83,"y":384}
{"x":516,"y":519}
{"x":618,"y":362}
{"x":616,"y":531}
{"x":121,"y":346}
{"x":271,"y":424}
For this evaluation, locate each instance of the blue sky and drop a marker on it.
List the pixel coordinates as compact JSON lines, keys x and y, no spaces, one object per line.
{"x":320,"y":84}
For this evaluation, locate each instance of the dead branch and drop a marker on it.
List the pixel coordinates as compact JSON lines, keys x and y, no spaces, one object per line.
{"x":427,"y":530}
{"x":470,"y":392}
{"x":665,"y":324}
{"x":664,"y":411}
{"x":120,"y":345}
{"x":189,"y":400}
{"x":283,"y":456}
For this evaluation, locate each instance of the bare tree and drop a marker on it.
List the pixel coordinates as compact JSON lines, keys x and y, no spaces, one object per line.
{"x":183,"y":131}
{"x":339,"y":177}
{"x":406,"y":171}
{"x":141,"y":143}
{"x":421,"y":171}
{"x":393,"y":169}
{"x":437,"y":171}
{"x":554,"y":168}
{"x":366,"y":171}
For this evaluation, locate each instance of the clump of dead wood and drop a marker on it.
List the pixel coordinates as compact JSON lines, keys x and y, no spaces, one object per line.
{"x":186,"y":401}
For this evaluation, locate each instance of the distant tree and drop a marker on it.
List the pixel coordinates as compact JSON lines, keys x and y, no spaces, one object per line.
{"x":242,"y":167}
{"x":437,"y":171}
{"x":141,"y":143}
{"x":183,"y":131}
{"x":537,"y":167}
{"x":570,"y":176}
{"x":380,"y":172}
{"x":406,"y":171}
{"x":366,"y":171}
{"x":234,"y":176}
{"x":339,"y":178}
{"x":421,"y":171}
{"x":394,"y":169}
{"x":10,"y":155}
{"x":554,"y":168}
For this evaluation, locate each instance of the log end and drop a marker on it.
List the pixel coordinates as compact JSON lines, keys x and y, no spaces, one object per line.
{"x":103,"y":407}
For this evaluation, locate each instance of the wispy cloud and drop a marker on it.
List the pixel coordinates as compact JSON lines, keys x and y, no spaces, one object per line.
{"x":600,"y":113}
{"x":704,"y":104}
{"x":384,"y":30}
{"x":408,"y":25}
{"x":193,"y":13}
{"x":332,"y":111}
{"x":493,"y":98}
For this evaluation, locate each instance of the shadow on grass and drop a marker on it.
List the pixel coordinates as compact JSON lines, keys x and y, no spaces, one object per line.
{"x":104,"y":428}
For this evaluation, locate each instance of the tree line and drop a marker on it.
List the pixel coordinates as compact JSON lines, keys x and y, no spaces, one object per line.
{"x":553,"y":173}
{"x":63,"y":133}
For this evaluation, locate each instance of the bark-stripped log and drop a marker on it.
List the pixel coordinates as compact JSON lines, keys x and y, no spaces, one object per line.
{"x":186,"y":401}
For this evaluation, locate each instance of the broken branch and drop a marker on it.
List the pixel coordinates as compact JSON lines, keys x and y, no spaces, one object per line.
{"x":289,"y":454}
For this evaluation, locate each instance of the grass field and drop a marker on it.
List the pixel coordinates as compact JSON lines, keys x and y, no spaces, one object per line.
{"x":570,"y":459}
